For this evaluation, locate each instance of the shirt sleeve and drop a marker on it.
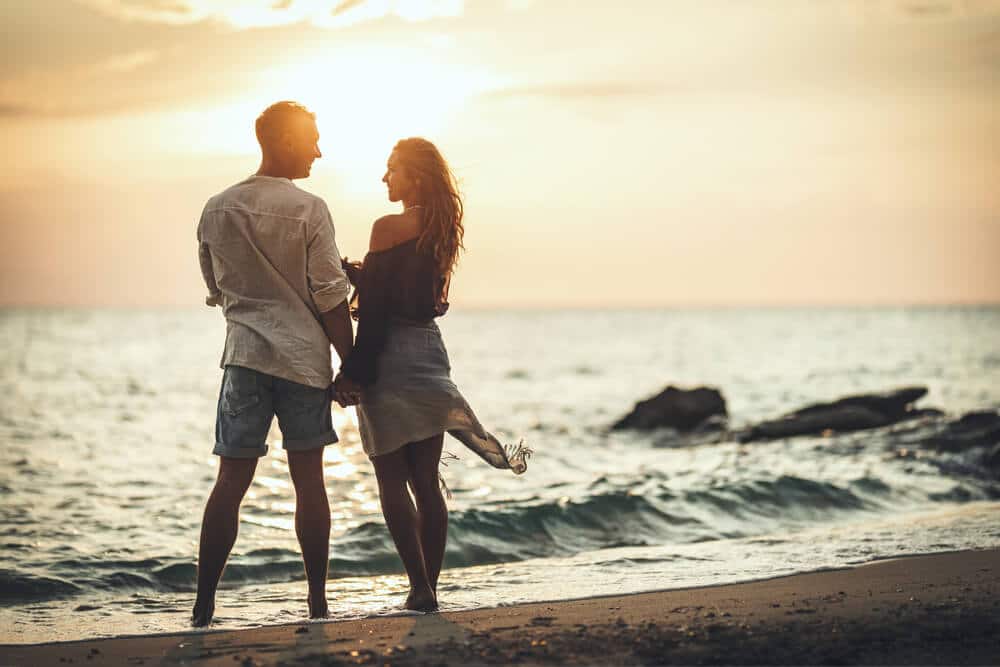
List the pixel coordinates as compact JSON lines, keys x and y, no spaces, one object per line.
{"x":214,"y":297}
{"x":328,"y":282}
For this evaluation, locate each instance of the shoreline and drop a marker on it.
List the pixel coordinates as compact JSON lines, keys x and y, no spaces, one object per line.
{"x":552,"y":601}
{"x":923,"y":609}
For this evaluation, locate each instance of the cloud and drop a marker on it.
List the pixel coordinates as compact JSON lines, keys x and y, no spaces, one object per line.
{"x":589,"y":90}
{"x":944,"y":9}
{"x":129,"y":61}
{"x":15,"y":110}
{"x":242,"y":14}
{"x":54,"y":93}
{"x":62,"y":109}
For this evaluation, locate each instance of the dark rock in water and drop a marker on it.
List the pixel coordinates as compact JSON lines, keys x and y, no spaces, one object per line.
{"x":975,"y":429}
{"x":681,"y":409}
{"x":893,"y":405}
{"x":916,"y":413}
{"x":847,"y":418}
{"x":851,"y":413}
{"x":709,"y":432}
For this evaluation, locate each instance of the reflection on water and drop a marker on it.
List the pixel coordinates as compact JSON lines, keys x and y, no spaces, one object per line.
{"x":270,"y":502}
{"x":106,"y":422}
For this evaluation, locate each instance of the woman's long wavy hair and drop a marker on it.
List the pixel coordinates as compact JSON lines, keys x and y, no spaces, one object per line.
{"x":441,"y":201}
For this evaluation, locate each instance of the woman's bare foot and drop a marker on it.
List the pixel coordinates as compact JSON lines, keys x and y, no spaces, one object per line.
{"x":202,"y":614}
{"x":421,"y":601}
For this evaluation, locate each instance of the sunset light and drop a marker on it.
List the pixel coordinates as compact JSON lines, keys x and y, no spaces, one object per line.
{"x":517,"y":332}
{"x":366,"y":98}
{"x":722,"y":134}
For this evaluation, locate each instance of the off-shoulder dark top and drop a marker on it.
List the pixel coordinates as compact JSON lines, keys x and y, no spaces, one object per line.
{"x":401,"y":282}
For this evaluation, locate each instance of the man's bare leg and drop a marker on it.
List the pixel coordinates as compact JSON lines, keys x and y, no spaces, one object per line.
{"x":219,"y":527}
{"x":312,"y":524}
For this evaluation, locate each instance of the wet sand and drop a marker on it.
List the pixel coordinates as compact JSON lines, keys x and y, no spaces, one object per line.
{"x":940,"y":609}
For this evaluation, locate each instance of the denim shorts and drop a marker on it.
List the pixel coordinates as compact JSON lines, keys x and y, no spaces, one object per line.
{"x":249,"y":401}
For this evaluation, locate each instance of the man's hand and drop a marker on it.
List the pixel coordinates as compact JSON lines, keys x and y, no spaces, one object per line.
{"x":346,"y":391}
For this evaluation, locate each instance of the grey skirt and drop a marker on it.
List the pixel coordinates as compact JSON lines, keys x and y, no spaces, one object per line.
{"x":413,"y":398}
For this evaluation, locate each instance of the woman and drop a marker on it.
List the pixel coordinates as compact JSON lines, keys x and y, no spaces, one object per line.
{"x":399,"y":368}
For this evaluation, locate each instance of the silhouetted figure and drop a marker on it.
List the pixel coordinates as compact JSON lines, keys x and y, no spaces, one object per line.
{"x":269,"y":258}
{"x":399,"y":361}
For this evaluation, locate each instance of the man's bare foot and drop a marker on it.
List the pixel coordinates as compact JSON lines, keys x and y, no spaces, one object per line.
{"x":202,"y":614}
{"x":421,"y":601}
{"x":318,"y":609}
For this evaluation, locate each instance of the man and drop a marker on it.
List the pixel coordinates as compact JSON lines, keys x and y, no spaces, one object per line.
{"x":269,"y":258}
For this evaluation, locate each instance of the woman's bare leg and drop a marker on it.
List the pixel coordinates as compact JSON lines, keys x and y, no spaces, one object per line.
{"x":392,"y":472}
{"x":424,"y":457}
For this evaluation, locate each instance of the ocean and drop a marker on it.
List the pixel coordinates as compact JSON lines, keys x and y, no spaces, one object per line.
{"x":106,"y":433}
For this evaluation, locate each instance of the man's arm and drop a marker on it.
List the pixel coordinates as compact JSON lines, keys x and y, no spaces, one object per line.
{"x":337,"y":325}
{"x":214,"y":297}
{"x":328,"y":283}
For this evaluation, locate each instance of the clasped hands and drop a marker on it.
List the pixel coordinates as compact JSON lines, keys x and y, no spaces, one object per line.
{"x":346,"y":391}
{"x":352,"y":269}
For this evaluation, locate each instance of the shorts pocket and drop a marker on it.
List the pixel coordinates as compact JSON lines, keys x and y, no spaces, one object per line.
{"x":239,"y":390}
{"x":306,"y":398}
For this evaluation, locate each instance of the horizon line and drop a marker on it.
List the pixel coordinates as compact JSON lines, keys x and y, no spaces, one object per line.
{"x":511,"y":307}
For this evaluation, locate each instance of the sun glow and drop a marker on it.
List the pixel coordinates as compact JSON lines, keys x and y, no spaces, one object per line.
{"x":365,"y":99}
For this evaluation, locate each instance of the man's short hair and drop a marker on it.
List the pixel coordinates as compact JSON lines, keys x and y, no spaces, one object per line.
{"x":276,"y":119}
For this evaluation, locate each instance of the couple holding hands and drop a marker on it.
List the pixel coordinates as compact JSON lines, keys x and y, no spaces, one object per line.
{"x":269,"y":258}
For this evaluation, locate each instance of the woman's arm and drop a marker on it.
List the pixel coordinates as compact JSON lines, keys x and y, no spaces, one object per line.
{"x":352,"y":269}
{"x":372,"y":323}
{"x":371,"y":312}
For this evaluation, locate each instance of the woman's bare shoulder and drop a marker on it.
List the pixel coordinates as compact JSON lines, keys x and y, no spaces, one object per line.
{"x":383,"y":232}
{"x":390,"y":230}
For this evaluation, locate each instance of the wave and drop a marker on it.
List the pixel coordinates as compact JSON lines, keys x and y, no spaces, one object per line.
{"x":609,"y":517}
{"x":614,"y":510}
{"x":19,"y":587}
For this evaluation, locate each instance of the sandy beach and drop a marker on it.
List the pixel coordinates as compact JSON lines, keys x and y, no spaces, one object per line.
{"x":937,"y":609}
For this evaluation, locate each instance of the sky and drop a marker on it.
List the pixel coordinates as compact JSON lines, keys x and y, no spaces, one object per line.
{"x":648,"y":154}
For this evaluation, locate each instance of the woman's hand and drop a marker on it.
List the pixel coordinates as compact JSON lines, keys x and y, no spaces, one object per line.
{"x":346,"y":391}
{"x":352,"y":269}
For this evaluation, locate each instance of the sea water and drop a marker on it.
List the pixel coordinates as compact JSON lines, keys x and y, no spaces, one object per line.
{"x":106,"y":432}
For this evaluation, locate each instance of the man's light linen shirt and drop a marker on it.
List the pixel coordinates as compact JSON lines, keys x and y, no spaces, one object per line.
{"x":269,"y":258}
